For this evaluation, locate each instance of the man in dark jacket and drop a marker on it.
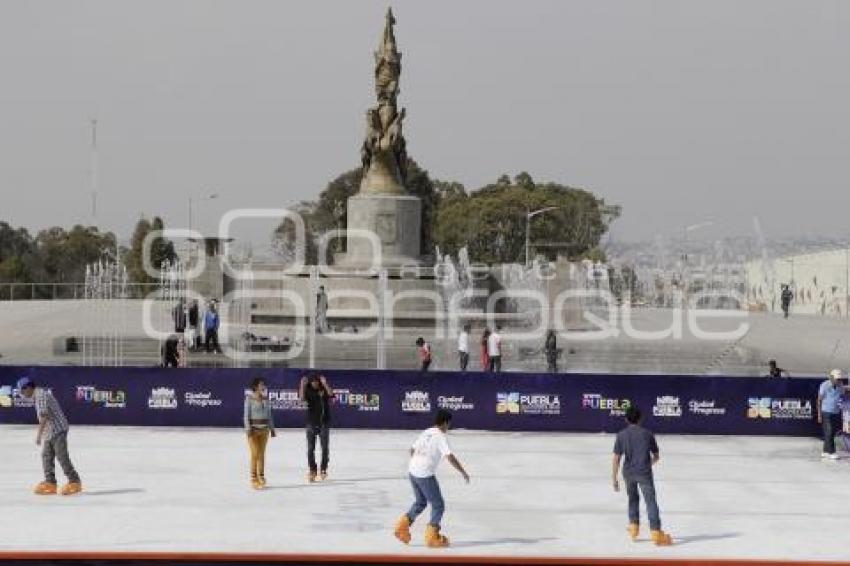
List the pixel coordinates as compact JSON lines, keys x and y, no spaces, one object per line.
{"x":179,"y":316}
{"x":317,"y":394}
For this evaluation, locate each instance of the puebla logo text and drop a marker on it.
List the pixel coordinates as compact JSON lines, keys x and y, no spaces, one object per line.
{"x":614,"y":407}
{"x":162,"y":398}
{"x":771,"y":408}
{"x":107,"y":398}
{"x":516,"y":403}
{"x":416,"y":402}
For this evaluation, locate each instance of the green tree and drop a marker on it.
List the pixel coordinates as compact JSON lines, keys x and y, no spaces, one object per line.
{"x":491,"y":222}
{"x":63,"y":255}
{"x":161,"y":250}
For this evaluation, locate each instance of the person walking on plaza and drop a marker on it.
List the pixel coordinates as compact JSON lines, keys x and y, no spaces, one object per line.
{"x":321,"y":310}
{"x":787,"y":297}
{"x":259,"y":425}
{"x":637,"y":448}
{"x":316,"y":392}
{"x":494,"y":350}
{"x":485,"y":349}
{"x":425,"y":455}
{"x":424,"y":352}
{"x":551,"y":349}
{"x":211,"y":324}
{"x":829,"y":411}
{"x":463,"y":347}
{"x":52,"y":436}
{"x":194,"y":337}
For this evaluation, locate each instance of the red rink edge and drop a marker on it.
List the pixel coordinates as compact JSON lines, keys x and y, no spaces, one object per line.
{"x":382,"y":559}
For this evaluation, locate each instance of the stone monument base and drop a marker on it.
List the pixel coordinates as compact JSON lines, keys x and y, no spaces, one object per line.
{"x":396,"y":223}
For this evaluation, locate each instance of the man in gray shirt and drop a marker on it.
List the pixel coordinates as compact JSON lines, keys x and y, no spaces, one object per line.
{"x":53,"y":437}
{"x":637,"y":447}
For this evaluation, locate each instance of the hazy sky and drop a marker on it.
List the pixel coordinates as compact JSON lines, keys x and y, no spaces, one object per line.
{"x":680,"y":111}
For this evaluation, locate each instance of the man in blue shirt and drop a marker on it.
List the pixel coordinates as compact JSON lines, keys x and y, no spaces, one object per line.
{"x":829,"y":413}
{"x":211,"y":323}
{"x":637,"y":447}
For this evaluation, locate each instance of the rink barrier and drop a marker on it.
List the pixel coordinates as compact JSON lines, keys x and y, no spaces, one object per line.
{"x":222,"y":559}
{"x":374,"y":399}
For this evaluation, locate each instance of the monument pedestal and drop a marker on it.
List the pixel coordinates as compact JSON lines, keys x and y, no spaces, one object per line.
{"x":396,"y":222}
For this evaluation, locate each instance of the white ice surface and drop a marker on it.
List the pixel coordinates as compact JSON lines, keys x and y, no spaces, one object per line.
{"x":158,"y":489}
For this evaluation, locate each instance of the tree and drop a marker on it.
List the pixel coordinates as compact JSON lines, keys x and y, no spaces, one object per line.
{"x":491,"y":222}
{"x":524,"y":180}
{"x":161,"y":250}
{"x":63,"y":255}
{"x":447,"y":190}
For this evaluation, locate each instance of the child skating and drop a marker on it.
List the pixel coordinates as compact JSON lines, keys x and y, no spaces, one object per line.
{"x":52,"y":436}
{"x":637,"y":446}
{"x":425,"y":455}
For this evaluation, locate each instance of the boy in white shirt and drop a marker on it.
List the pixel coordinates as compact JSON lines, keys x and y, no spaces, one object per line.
{"x":425,"y":456}
{"x":463,"y":347}
{"x":494,"y":350}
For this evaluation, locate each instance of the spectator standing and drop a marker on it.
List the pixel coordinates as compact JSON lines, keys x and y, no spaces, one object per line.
{"x":551,"y":348}
{"x":182,"y":352}
{"x":463,"y":347}
{"x":829,"y":411}
{"x":178,"y":314}
{"x":211,"y":324}
{"x":787,"y":297}
{"x":321,"y":310}
{"x":193,"y":337}
{"x":485,"y":349}
{"x":424,"y":351}
{"x":774,"y":371}
{"x":169,"y":352}
{"x":494,"y":350}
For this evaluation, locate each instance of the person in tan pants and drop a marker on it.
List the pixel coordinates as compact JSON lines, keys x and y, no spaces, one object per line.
{"x":259,"y":425}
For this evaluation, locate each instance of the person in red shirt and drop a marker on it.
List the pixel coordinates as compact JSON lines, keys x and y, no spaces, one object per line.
{"x":424,"y":353}
{"x":485,"y":352}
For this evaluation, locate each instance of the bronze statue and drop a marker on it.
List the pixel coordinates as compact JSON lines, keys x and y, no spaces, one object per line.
{"x":383,"y":153}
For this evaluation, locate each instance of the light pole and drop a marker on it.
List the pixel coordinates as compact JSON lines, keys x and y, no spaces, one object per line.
{"x":193,"y":200}
{"x":684,"y":283}
{"x":528,"y":216}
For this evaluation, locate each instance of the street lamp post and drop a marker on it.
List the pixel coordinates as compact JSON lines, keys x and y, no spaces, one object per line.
{"x":529,"y":215}
{"x":193,"y":200}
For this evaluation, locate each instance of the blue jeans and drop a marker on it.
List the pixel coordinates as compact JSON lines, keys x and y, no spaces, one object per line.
{"x":647,"y":487}
{"x":427,"y":490}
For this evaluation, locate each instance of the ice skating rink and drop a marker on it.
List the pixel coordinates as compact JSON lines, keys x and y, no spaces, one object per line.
{"x":166,"y":489}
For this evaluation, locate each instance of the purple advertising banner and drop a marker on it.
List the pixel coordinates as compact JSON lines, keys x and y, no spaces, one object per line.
{"x":408,"y":399}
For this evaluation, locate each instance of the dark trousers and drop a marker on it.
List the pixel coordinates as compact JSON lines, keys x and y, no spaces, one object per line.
{"x":57,"y":449}
{"x":552,"y":361}
{"x":427,"y":490}
{"x":212,"y":341}
{"x":495,"y":363}
{"x":831,"y":427}
{"x":426,"y":364}
{"x":324,"y":435}
{"x":647,"y":487}
{"x":464,"y":360}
